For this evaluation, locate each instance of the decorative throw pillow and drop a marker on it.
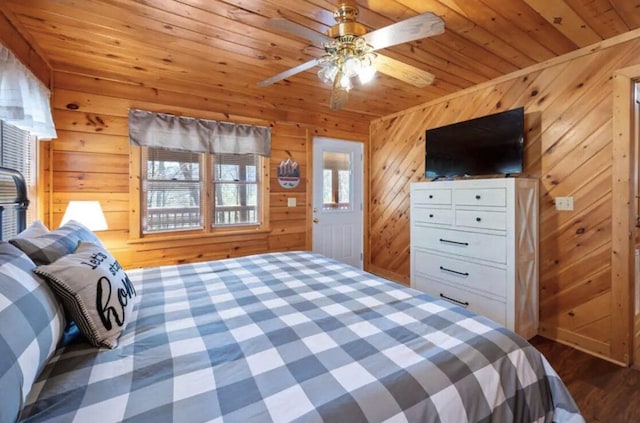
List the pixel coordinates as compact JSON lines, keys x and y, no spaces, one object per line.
{"x":49,"y":247}
{"x":95,"y":291}
{"x":34,"y":230}
{"x":31,"y":325}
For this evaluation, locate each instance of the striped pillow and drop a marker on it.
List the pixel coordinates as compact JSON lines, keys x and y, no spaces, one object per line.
{"x":46,"y":249}
{"x":31,"y":325}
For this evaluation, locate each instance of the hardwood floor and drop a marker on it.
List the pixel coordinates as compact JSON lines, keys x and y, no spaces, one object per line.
{"x":603,"y":391}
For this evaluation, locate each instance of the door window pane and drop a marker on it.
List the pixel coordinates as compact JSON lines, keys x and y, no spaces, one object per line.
{"x":336,"y":188}
{"x":344,"y":182}
{"x":327,"y":196}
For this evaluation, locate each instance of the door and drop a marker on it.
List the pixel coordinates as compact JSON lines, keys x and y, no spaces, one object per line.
{"x":337,"y":199}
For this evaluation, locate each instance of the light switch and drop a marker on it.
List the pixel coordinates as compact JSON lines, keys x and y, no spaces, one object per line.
{"x":291,"y":202}
{"x":564,"y":203}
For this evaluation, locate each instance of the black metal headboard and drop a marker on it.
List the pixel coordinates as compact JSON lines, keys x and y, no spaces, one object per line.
{"x":20,"y":202}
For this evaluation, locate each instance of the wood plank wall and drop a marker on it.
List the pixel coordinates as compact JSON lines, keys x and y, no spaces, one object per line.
{"x":569,"y":107}
{"x":90,"y":160}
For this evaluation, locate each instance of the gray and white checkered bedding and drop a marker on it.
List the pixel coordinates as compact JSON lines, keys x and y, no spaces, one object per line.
{"x":297,"y":337}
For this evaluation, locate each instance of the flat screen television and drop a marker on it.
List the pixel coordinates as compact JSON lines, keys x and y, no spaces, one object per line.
{"x":486,"y":145}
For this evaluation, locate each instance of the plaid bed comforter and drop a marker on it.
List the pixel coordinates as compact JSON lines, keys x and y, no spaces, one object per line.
{"x":297,"y":337}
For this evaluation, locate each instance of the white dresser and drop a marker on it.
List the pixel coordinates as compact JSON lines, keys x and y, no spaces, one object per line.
{"x":475,"y":243}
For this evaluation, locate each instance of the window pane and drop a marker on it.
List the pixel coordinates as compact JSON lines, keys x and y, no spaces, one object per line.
{"x":327,"y":182}
{"x":336,"y":189}
{"x":344,"y":180}
{"x":172,"y":191}
{"x":165,"y":165}
{"x":226,"y":172}
{"x":235,"y":189}
{"x":16,"y":152}
{"x":252,"y":173}
{"x":252,"y":195}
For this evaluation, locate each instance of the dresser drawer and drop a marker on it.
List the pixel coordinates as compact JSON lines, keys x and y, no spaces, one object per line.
{"x":488,"y":279}
{"x":482,"y":219}
{"x":466,"y":244}
{"x":432,"y":196}
{"x":433,"y":215}
{"x":493,"y":309}
{"x":496,"y":197}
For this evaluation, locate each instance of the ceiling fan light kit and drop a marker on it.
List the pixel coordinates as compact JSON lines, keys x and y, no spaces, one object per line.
{"x":349,"y":51}
{"x":351,"y":55}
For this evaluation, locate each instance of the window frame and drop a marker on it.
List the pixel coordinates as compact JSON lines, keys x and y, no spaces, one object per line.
{"x":207,"y":206}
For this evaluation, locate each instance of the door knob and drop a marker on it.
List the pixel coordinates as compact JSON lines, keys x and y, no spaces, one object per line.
{"x":316,"y":220}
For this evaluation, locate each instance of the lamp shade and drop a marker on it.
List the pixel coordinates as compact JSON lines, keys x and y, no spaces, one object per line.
{"x":89,"y":213}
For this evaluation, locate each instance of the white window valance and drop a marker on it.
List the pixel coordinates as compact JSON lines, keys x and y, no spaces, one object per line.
{"x":160,"y":130}
{"x":24,"y":100}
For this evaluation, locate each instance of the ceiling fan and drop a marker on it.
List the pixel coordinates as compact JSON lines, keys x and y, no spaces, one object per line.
{"x":350,"y":50}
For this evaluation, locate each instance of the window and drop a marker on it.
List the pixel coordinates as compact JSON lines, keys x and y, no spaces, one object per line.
{"x":171,"y":190}
{"x":176,"y":185}
{"x":235,"y":181}
{"x":17,"y":151}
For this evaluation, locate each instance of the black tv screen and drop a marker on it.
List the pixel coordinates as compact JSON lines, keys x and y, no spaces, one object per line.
{"x":486,"y":145}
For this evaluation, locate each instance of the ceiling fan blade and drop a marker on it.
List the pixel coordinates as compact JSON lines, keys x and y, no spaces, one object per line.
{"x":411,"y":29}
{"x":299,"y":30}
{"x":289,"y":72}
{"x":402,"y":71}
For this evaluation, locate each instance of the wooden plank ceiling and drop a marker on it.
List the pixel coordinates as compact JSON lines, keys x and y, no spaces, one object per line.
{"x":221,"y":49}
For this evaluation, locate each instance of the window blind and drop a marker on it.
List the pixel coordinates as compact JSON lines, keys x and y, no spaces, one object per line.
{"x":16,"y":152}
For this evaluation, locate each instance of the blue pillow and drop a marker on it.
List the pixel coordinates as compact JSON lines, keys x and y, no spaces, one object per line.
{"x":47,"y":248}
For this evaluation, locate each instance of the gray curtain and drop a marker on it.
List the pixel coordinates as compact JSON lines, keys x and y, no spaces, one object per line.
{"x":160,"y":130}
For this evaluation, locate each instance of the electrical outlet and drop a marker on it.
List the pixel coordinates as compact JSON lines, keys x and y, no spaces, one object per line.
{"x":564,"y":203}
{"x":291,"y":202}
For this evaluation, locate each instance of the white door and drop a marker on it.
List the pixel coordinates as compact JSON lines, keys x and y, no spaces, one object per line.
{"x":337,"y":199}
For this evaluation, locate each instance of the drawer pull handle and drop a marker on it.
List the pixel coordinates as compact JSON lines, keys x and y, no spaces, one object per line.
{"x":430,"y":196}
{"x":478,"y":219}
{"x":453,"y":300}
{"x":444,"y":269}
{"x":431,"y":216}
{"x":477,"y":196}
{"x":454,"y":242}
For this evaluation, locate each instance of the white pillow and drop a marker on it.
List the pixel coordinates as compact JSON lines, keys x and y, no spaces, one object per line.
{"x":95,"y":291}
{"x":34,"y":230}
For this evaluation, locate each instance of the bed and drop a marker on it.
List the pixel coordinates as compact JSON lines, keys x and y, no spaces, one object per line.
{"x":290,"y":336}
